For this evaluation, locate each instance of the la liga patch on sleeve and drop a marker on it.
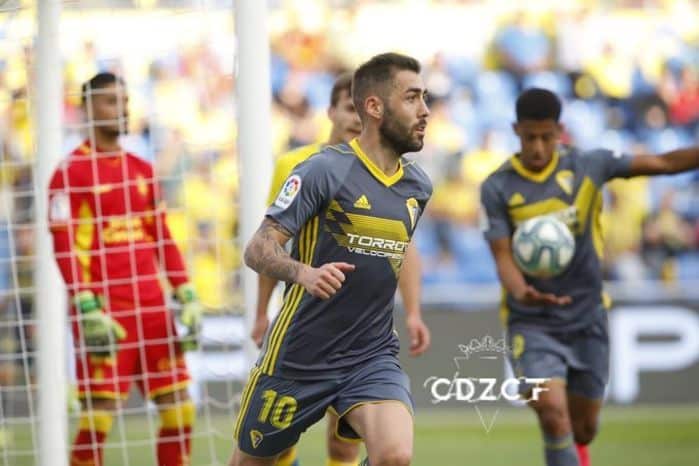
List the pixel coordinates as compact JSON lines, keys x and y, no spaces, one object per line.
{"x":289,"y":191}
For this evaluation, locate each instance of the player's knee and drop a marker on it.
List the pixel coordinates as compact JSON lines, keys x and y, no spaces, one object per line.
{"x":584,"y":432}
{"x":341,"y":451}
{"x":401,"y":456}
{"x":553,"y":419}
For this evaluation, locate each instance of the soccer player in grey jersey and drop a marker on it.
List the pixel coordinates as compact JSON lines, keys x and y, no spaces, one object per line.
{"x":557,"y":327}
{"x":351,"y":211}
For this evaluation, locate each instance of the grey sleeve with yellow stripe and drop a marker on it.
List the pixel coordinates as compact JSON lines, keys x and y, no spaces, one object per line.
{"x":494,"y":218}
{"x":302,"y":196}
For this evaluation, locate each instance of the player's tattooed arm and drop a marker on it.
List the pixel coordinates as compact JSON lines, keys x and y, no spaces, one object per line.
{"x":265,"y":252}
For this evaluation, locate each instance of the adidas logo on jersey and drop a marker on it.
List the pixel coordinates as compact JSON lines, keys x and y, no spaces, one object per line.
{"x":256,"y":438}
{"x":362,"y":203}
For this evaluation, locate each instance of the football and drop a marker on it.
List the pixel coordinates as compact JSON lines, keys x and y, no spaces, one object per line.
{"x":543,"y":246}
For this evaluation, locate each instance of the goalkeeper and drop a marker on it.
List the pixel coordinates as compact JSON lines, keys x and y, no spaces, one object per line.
{"x":109,"y":232}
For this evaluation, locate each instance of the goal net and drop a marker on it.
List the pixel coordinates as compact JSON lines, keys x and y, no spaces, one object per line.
{"x":177,"y":58}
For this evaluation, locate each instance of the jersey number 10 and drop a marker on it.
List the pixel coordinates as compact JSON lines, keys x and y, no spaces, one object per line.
{"x":282,"y":409}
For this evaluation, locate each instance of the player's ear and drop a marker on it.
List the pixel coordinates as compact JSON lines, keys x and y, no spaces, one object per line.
{"x":515,"y":128}
{"x":374,"y":107}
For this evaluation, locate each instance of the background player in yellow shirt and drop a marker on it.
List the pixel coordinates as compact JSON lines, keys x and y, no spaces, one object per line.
{"x":346,"y":125}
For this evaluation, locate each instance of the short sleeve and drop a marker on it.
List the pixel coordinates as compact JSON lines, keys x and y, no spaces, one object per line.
{"x":302,"y":195}
{"x":603,"y":165}
{"x":281,"y":172}
{"x":494,"y":218}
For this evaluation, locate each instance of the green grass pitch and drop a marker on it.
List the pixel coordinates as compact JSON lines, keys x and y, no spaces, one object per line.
{"x":629,"y":436}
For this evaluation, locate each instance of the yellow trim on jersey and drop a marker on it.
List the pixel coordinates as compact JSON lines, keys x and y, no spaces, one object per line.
{"x":596,"y":226}
{"x":289,"y":301}
{"x":245,"y":400}
{"x":311,"y":239}
{"x":285,"y":164}
{"x":373,"y":169}
{"x":548,"y":206}
{"x":280,"y":327}
{"x":588,"y":197}
{"x":584,"y":200}
{"x":537,"y":177}
{"x":307,"y":244}
{"x":84,"y":236}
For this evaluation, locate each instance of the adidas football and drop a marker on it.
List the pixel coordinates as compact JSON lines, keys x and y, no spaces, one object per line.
{"x":543,"y":247}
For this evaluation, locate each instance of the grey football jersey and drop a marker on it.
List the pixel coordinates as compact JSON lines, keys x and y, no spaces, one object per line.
{"x":340,"y":207}
{"x":571,"y":189}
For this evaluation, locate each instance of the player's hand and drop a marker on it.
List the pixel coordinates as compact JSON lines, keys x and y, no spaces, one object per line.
{"x":533,"y":297}
{"x":259,"y":329}
{"x":419,"y":334}
{"x":190,"y":316}
{"x":324,"y":281}
{"x":99,"y":330}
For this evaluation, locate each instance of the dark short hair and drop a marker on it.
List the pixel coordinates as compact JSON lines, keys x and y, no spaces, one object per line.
{"x":98,"y":81}
{"x":371,"y":76}
{"x":538,"y":104}
{"x":342,"y":83}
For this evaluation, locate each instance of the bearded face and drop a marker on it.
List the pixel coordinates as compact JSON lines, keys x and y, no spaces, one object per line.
{"x":402,"y":134}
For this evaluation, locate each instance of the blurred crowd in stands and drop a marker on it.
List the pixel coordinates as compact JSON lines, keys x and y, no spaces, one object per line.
{"x":628,"y":74}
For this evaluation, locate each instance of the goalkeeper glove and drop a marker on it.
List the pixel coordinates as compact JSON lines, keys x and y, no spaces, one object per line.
{"x":100,"y":331}
{"x":190,"y":316}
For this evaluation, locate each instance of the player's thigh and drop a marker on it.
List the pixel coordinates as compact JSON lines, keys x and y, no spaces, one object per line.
{"x":386,"y":428}
{"x":339,"y":449}
{"x":591,"y":348}
{"x":240,"y":458}
{"x":275,"y":411}
{"x":376,"y":400}
{"x":551,"y":407}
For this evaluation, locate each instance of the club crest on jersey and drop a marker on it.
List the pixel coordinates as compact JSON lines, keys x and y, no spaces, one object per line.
{"x":564,"y":178}
{"x":413,"y":211}
{"x":289,"y":190}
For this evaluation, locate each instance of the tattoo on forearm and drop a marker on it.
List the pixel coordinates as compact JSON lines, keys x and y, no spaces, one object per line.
{"x":266,"y":256}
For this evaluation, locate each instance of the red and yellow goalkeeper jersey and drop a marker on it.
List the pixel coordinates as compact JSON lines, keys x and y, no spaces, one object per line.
{"x":109,"y":228}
